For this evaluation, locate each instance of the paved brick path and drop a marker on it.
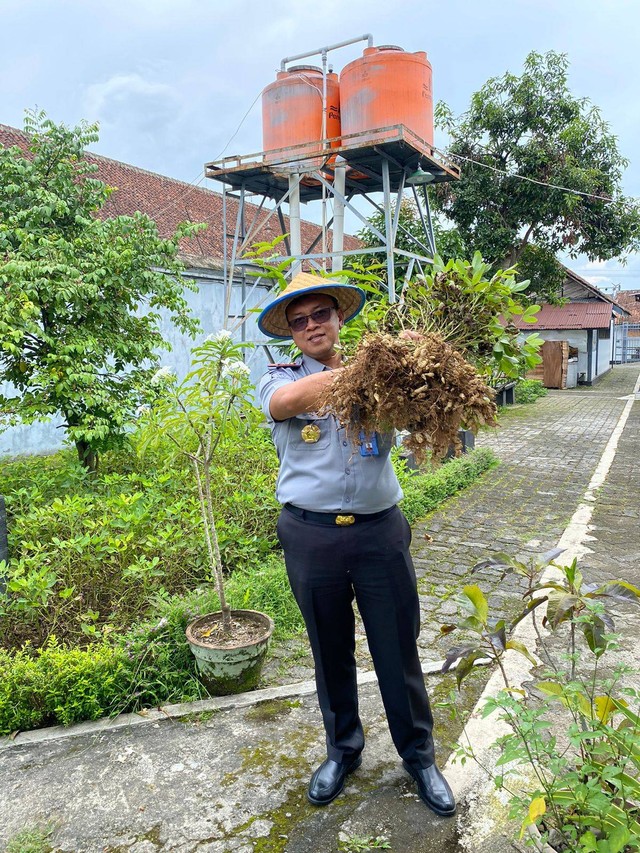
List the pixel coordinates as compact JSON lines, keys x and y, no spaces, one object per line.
{"x":548,"y":452}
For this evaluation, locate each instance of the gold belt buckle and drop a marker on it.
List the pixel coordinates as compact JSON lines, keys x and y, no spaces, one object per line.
{"x":345,"y":520}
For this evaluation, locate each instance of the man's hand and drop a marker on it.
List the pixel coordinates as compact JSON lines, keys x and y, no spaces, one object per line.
{"x":411,"y":335}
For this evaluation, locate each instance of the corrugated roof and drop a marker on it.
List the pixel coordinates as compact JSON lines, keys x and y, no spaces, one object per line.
{"x":574,"y":315}
{"x":170,"y":202}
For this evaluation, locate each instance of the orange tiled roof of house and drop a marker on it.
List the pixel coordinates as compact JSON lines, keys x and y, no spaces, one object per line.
{"x":170,"y":202}
{"x":630,"y":299}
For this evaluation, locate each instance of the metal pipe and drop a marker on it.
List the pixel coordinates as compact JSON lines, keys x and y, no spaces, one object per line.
{"x":318,"y":176}
{"x":366,"y":37}
{"x":225,"y":271}
{"x":324,"y":145}
{"x":234,"y":254}
{"x":388,"y":227}
{"x":339,"y":181}
{"x":432,"y":236}
{"x":294,"y":222}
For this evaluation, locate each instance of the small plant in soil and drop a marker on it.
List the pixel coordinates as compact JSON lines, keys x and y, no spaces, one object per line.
{"x":203,"y":415}
{"x":571,"y":759}
{"x":360,"y":844}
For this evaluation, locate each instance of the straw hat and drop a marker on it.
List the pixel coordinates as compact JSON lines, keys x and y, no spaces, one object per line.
{"x":273,"y":320}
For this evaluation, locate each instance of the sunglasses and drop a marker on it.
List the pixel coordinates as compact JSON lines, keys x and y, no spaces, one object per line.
{"x":298,"y":324}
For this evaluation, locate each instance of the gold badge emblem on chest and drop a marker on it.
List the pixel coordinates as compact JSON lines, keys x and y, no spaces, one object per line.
{"x":310,"y":433}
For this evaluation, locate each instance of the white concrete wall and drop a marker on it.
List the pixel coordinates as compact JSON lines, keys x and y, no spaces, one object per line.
{"x":603,"y":346}
{"x":207,"y":304}
{"x":576,"y":338}
{"x":600,"y":349}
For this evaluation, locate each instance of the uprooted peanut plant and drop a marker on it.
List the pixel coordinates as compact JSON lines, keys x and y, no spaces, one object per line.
{"x":424,"y":387}
{"x":437,"y":380}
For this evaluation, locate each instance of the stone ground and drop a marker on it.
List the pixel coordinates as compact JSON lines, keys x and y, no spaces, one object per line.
{"x":230,"y":775}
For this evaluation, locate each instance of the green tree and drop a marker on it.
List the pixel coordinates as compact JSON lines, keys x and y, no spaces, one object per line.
{"x":79,"y":294}
{"x":532,"y":126}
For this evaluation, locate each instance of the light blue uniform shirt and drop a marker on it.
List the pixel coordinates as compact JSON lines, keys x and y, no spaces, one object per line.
{"x":329,"y":475}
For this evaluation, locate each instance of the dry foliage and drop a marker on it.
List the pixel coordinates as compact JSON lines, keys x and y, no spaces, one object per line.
{"x":422,"y":386}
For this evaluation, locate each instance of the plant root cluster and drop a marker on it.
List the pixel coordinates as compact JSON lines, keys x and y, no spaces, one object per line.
{"x":424,"y":387}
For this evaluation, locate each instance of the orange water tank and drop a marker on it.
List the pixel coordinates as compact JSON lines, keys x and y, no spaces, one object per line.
{"x":292,"y":109}
{"x":387,"y":86}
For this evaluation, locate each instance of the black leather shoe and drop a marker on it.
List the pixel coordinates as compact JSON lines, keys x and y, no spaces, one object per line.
{"x":433,"y":788}
{"x":328,"y":780}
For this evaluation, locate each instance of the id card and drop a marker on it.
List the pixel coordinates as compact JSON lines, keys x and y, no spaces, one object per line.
{"x":368,"y":444}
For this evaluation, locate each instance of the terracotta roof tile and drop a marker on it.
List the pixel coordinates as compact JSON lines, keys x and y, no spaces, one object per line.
{"x":170,"y":202}
{"x":630,"y":300}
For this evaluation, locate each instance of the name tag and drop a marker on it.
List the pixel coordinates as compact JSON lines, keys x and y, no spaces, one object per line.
{"x":368,"y":444}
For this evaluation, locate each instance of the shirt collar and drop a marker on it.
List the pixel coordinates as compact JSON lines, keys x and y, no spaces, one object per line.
{"x":314,"y":366}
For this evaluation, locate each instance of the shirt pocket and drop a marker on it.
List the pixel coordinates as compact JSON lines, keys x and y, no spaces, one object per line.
{"x":325,"y":424}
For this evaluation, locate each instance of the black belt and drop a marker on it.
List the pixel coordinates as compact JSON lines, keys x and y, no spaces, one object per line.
{"x":340,"y":519}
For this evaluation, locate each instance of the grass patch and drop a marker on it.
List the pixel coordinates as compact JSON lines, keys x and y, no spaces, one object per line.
{"x":529,"y":390}
{"x":31,"y":840}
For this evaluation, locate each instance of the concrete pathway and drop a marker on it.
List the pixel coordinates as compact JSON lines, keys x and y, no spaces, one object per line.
{"x":230,"y":774}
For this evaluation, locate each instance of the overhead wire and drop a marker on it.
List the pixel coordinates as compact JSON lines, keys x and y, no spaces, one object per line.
{"x":631,"y":200}
{"x":197,"y":181}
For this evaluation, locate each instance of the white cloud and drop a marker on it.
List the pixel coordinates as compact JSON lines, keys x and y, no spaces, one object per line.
{"x":132,"y":102}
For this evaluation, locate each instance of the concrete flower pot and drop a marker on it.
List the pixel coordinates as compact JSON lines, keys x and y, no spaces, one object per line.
{"x":232,"y":665}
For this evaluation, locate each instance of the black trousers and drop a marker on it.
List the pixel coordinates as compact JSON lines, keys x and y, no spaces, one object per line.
{"x":327,"y":567}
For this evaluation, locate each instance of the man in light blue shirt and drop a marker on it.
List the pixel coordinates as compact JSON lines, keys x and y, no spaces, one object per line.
{"x":334,"y":475}
{"x":343,"y":537}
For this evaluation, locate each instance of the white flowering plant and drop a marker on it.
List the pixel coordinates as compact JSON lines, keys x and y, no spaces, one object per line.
{"x":201,"y":416}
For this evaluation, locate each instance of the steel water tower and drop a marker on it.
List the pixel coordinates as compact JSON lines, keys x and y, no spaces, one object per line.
{"x":331,"y":139}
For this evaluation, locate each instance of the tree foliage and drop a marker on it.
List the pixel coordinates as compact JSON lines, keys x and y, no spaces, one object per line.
{"x":532,"y":126}
{"x":79,"y":295}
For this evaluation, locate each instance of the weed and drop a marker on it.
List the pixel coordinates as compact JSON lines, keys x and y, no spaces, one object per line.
{"x":359,"y":844}
{"x":30,"y":840}
{"x":529,"y":390}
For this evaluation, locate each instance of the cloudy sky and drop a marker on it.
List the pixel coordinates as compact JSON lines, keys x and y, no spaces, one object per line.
{"x":176,"y":83}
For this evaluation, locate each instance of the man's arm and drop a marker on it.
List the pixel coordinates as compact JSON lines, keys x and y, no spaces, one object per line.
{"x":300,"y":396}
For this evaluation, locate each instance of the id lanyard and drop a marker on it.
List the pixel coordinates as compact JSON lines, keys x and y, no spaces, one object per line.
{"x":368,"y":444}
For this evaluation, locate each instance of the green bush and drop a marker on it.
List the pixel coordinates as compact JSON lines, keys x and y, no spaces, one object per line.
{"x":529,"y":390}
{"x":88,"y":554}
{"x":58,"y":685}
{"x":117,"y":567}
{"x":425,"y":492}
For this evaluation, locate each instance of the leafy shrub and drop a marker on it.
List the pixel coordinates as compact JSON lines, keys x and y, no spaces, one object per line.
{"x":529,"y":390}
{"x":58,"y":685}
{"x":94,"y":561}
{"x":88,"y":554}
{"x":426,"y":491}
{"x":149,"y":665}
{"x":570,"y":757}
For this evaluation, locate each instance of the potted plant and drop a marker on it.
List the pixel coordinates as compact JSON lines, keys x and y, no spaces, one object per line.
{"x":201,"y":416}
{"x":571,"y":758}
